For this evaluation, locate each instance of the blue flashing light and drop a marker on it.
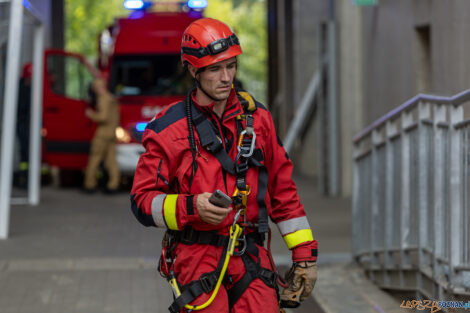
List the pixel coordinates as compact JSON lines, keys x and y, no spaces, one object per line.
{"x":140,"y":127}
{"x":197,"y":4}
{"x":27,"y":5}
{"x":134,"y":4}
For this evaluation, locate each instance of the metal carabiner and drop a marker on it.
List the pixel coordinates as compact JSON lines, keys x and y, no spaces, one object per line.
{"x":243,"y":240}
{"x":237,"y":216}
{"x":252,"y":146}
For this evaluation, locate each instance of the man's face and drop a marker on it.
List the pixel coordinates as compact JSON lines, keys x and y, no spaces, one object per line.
{"x":217,"y":79}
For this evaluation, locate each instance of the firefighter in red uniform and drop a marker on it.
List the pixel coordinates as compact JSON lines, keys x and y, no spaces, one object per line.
{"x":221,"y":138}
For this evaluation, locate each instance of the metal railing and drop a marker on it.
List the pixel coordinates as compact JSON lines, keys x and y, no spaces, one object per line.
{"x":411,"y":215}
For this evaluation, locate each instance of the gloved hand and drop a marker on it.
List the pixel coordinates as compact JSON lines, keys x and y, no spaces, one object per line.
{"x":301,"y":279}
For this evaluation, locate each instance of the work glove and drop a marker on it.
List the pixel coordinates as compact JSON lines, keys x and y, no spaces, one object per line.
{"x":301,"y":279}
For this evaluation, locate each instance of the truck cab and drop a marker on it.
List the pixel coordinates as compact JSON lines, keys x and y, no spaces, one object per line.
{"x":139,"y":57}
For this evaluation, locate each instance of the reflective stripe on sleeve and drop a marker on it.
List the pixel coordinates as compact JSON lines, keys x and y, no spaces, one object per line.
{"x":157,"y":210}
{"x":293,"y":225}
{"x":298,"y":237}
{"x":169,"y":211}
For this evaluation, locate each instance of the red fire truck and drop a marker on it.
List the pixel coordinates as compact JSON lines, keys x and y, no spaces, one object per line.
{"x":140,"y":58}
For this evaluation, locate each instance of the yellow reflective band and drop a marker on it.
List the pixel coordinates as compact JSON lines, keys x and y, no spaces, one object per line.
{"x":169,"y":210}
{"x":298,"y":237}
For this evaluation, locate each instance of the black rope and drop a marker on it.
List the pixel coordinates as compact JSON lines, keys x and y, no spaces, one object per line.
{"x":192,"y":141}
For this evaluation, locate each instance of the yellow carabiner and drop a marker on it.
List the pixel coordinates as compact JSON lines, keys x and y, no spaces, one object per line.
{"x":234,"y":234}
{"x":244,"y":195}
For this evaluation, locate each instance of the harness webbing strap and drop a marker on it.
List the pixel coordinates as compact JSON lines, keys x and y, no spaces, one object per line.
{"x":190,"y":236}
{"x":253,"y":270}
{"x":206,"y":283}
{"x":263,"y":225}
{"x":210,"y":140}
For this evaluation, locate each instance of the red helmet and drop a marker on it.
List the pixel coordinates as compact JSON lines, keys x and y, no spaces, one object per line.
{"x":207,"y":41}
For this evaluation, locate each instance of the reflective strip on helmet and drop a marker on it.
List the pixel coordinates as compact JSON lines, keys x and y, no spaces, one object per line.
{"x":298,"y":237}
{"x":169,"y":211}
{"x":157,"y":210}
{"x":293,"y":225}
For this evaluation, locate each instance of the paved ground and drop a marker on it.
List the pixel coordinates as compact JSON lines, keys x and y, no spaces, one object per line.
{"x":87,"y":254}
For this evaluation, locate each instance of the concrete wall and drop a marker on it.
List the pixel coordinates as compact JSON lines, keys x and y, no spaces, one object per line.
{"x":404,"y":48}
{"x":392,"y":37}
{"x":386,"y":55}
{"x":307,"y":21}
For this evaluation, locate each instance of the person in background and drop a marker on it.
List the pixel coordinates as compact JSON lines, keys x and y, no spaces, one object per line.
{"x":22,"y":125}
{"x":103,"y":145}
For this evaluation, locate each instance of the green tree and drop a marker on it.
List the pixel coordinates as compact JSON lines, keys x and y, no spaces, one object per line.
{"x":85,"y":19}
{"x":248,"y":20}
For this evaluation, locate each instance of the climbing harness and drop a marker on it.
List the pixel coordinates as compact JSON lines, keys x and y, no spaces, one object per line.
{"x":235,"y":232}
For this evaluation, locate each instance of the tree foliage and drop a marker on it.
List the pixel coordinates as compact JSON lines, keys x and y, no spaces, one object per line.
{"x":248,"y":19}
{"x":85,"y":19}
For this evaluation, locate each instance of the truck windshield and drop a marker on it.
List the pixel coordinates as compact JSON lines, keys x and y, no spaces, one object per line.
{"x":149,"y":75}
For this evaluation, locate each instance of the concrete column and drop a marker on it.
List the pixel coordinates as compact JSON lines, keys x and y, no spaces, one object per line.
{"x":9,"y":113}
{"x":351,"y":97}
{"x":34,"y":181}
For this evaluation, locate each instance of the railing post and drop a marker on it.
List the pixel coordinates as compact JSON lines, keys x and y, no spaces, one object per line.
{"x":439,"y":195}
{"x":374,"y":260}
{"x":424,"y":114}
{"x":356,"y":214}
{"x":390,"y":131}
{"x":455,"y":172}
{"x":406,"y":121}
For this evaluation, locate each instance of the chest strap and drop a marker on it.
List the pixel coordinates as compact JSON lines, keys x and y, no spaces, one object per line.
{"x":210,"y":141}
{"x":213,"y":143}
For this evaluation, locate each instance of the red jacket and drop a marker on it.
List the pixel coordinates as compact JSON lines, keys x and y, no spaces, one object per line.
{"x":161,"y":195}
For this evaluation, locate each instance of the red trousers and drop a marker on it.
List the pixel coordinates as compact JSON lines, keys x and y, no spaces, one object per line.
{"x":194,"y":260}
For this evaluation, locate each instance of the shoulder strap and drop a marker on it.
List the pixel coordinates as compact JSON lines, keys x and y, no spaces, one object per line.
{"x":210,"y":140}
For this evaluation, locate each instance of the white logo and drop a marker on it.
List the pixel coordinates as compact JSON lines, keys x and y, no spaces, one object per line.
{"x":149,"y":112}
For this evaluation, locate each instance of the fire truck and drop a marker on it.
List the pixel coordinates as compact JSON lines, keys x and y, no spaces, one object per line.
{"x":139,"y":56}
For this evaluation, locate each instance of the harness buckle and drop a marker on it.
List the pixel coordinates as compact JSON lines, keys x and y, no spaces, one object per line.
{"x":215,"y":146}
{"x":268,"y":277}
{"x":208,"y":281}
{"x":188,"y":236}
{"x":242,"y":167}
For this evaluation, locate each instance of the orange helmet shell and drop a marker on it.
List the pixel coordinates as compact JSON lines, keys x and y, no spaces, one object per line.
{"x":207,"y":41}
